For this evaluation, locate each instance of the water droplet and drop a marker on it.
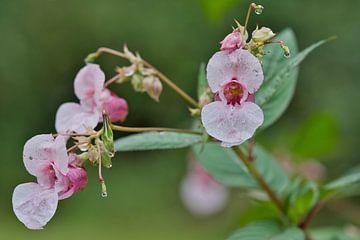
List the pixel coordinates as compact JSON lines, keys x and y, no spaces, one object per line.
{"x":110,"y":166}
{"x":287,"y":54}
{"x":111,"y":154}
{"x":259,"y":9}
{"x":104,"y":194}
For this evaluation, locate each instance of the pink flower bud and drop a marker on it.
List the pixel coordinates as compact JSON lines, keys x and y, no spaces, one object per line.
{"x":232,"y":42}
{"x":116,"y":108}
{"x":153,"y":87}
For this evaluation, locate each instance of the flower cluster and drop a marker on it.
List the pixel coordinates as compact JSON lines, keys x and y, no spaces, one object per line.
{"x":58,"y":177}
{"x":59,"y":171}
{"x":143,"y":78}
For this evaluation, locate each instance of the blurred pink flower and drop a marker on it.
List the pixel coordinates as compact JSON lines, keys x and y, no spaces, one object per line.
{"x":234,"y":77}
{"x":94,"y":98}
{"x":201,"y":194}
{"x":232,"y":41}
{"x":58,"y":176}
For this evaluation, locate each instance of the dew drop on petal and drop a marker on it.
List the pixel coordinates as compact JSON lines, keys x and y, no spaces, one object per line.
{"x":104,"y":194}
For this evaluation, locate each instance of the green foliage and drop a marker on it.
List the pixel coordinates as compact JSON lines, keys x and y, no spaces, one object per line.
{"x":316,"y":137}
{"x":353,"y":177}
{"x":202,"y":82}
{"x":267,"y":230}
{"x":156,"y":140}
{"x":215,"y":9}
{"x":280,"y":79}
{"x":107,"y":138}
{"x":302,"y":198}
{"x":225,"y":166}
{"x":331,"y":234}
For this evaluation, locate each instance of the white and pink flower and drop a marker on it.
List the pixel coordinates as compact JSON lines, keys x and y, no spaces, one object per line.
{"x":94,"y":99}
{"x":58,"y":177}
{"x":234,"y":78}
{"x":201,"y":194}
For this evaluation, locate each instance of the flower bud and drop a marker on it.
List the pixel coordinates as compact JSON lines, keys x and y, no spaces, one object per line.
{"x":137,"y":82}
{"x":91,"y":57}
{"x":125,"y":73}
{"x":262,"y":35}
{"x":232,"y":41}
{"x":116,"y":108}
{"x":153,"y":87}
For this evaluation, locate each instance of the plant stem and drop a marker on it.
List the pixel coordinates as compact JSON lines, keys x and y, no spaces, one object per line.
{"x":310,"y":216}
{"x":152,"y":129}
{"x":251,"y":7}
{"x":162,"y":77}
{"x":253,"y":171}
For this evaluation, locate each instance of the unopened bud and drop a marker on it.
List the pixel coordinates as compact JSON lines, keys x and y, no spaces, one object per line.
{"x":195,"y":112}
{"x":125,"y":73}
{"x":103,"y":189}
{"x":93,"y":154}
{"x":153,"y":87}
{"x":232,"y":41}
{"x":137,"y":82}
{"x":262,"y":35}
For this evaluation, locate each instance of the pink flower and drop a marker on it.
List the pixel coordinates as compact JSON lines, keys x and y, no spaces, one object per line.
{"x":58,"y":176}
{"x":94,"y":98}
{"x":234,"y":78}
{"x":232,"y":41}
{"x":201,"y":194}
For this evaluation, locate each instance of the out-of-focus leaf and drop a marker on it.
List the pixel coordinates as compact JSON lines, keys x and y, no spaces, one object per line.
{"x":215,"y":9}
{"x":316,"y":137}
{"x":353,"y":177}
{"x":275,"y":94}
{"x":331,"y":234}
{"x":202,"y":83}
{"x":303,"y":197}
{"x":224,"y":165}
{"x":156,"y":140}
{"x":267,"y":230}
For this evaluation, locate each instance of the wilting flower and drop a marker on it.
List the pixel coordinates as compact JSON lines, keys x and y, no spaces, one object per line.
{"x":200,"y":193}
{"x":233,"y":41}
{"x":58,"y":177}
{"x":234,"y":77}
{"x":94,"y":98}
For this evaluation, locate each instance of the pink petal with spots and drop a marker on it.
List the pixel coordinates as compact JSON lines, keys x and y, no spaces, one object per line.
{"x":42,"y":152}
{"x":231,"y":125}
{"x":89,"y":82}
{"x":71,"y":117}
{"x":33,"y":205}
{"x":239,"y":65}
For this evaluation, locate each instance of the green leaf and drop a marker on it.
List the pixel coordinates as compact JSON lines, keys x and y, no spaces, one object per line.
{"x":280,"y":79}
{"x":270,"y":230}
{"x":303,"y":197}
{"x":215,"y":9}
{"x":316,"y":137}
{"x":331,"y":234}
{"x":202,"y":82}
{"x":224,"y":165}
{"x":156,"y":140}
{"x":353,"y":177}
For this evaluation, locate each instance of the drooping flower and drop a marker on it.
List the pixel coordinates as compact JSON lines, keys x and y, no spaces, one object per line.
{"x":200,"y":193}
{"x":58,"y":177}
{"x":94,"y":98}
{"x":234,"y":77}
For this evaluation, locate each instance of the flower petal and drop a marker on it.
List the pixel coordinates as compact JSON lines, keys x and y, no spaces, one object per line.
{"x":33,"y":205}
{"x":89,"y":81}
{"x":71,"y":117}
{"x":231,"y":125}
{"x":116,"y":108}
{"x":202,"y":198}
{"x":240,"y":64}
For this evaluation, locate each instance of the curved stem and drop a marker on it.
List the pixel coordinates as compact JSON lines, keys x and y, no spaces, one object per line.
{"x":162,"y":77}
{"x":251,"y":7}
{"x":152,"y":129}
{"x":253,"y":171}
{"x":310,"y":216}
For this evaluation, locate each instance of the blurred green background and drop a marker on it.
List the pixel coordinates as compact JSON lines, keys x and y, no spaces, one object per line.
{"x":42,"y":46}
